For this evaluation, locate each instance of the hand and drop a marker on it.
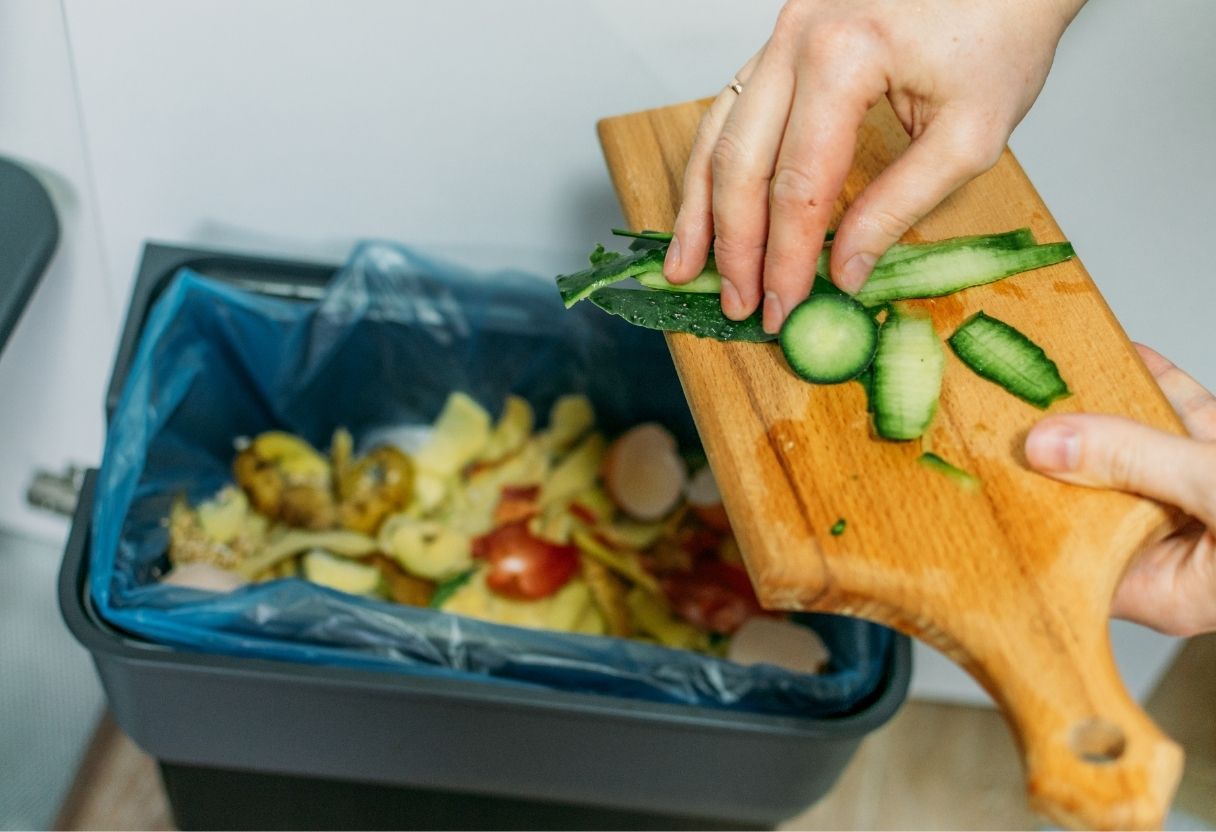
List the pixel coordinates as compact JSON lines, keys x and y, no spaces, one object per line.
{"x":1171,"y":586}
{"x":769,"y":162}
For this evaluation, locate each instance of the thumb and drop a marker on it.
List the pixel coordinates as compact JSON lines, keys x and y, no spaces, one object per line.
{"x":1112,"y":452}
{"x":948,"y":154}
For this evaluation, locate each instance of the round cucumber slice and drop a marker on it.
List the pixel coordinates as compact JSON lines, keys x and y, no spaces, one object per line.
{"x":829,"y":338}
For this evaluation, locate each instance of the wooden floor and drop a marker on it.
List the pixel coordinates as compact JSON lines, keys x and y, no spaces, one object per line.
{"x":931,"y":767}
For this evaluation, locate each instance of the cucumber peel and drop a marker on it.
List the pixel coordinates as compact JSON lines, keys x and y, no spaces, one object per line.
{"x":965,"y":479}
{"x":605,"y":271}
{"x":644,"y":234}
{"x":1016,"y":239}
{"x":907,"y":381}
{"x":698,"y":314}
{"x":944,"y":271}
{"x":1000,"y":353}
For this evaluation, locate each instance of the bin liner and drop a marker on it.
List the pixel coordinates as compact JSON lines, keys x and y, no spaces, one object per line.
{"x":394,"y":333}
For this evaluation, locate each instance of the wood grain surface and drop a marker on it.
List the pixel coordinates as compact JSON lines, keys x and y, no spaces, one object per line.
{"x":1014,"y":582}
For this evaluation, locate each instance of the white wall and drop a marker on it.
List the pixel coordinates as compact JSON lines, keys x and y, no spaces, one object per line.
{"x":318,"y":123}
{"x":291,"y":127}
{"x":1120,"y":147}
{"x":54,"y":369}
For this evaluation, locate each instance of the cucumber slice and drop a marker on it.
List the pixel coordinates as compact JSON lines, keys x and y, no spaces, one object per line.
{"x":699,"y":315}
{"x":907,"y":379}
{"x":945,"y":269}
{"x":965,"y":479}
{"x":708,"y":282}
{"x":829,"y":338}
{"x":1002,"y":354}
{"x":576,"y":287}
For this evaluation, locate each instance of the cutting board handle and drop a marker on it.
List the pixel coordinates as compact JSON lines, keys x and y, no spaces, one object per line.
{"x":1093,"y":758}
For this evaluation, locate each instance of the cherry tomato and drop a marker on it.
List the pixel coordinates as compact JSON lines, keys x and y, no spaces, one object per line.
{"x":714,"y":596}
{"x":522,"y":565}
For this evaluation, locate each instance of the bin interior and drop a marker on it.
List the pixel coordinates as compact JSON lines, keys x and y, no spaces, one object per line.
{"x":798,"y":757}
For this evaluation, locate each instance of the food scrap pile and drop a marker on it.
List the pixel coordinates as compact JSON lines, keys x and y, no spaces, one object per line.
{"x":556,"y":529}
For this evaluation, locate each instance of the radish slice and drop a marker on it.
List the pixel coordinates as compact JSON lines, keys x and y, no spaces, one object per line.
{"x":706,"y":501}
{"x":643,"y":472}
{"x":763,"y":640}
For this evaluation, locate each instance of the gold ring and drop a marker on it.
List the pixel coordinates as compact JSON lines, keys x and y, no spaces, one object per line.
{"x":735,"y":86}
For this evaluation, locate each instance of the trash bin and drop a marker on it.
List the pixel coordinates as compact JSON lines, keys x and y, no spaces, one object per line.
{"x":256,"y":743}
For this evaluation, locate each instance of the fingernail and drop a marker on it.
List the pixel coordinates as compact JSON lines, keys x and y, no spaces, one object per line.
{"x":731,"y":302}
{"x":1054,"y":448}
{"x":672,"y":261}
{"x":855,"y":272}
{"x":773,"y":313}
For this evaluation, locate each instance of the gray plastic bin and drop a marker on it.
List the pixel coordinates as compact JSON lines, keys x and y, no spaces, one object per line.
{"x":248,"y":743}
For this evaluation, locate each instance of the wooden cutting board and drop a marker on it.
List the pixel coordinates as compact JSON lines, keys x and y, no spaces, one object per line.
{"x":1013,"y":583}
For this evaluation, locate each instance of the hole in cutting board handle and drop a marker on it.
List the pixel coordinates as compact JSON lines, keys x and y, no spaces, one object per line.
{"x":1096,"y":740}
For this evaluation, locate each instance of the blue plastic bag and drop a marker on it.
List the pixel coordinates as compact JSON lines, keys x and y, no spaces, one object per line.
{"x":393,"y":335}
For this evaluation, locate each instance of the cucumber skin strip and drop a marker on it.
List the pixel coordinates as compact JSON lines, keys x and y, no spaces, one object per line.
{"x":965,"y":479}
{"x":697,"y":314}
{"x":904,"y":327}
{"x":1017,"y":239}
{"x":964,"y":340}
{"x":656,"y":236}
{"x":899,"y":252}
{"x":577,"y":286}
{"x":649,"y":260}
{"x":901,"y":281}
{"x":1020,"y":238}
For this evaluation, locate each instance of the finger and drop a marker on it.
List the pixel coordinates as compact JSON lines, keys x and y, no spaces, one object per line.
{"x":949,"y":153}
{"x":816,"y":153}
{"x":693,"y":230}
{"x":741,"y":166}
{"x":1170,"y":586}
{"x":1112,"y":452}
{"x":1190,"y":399}
{"x":1155,"y":361}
